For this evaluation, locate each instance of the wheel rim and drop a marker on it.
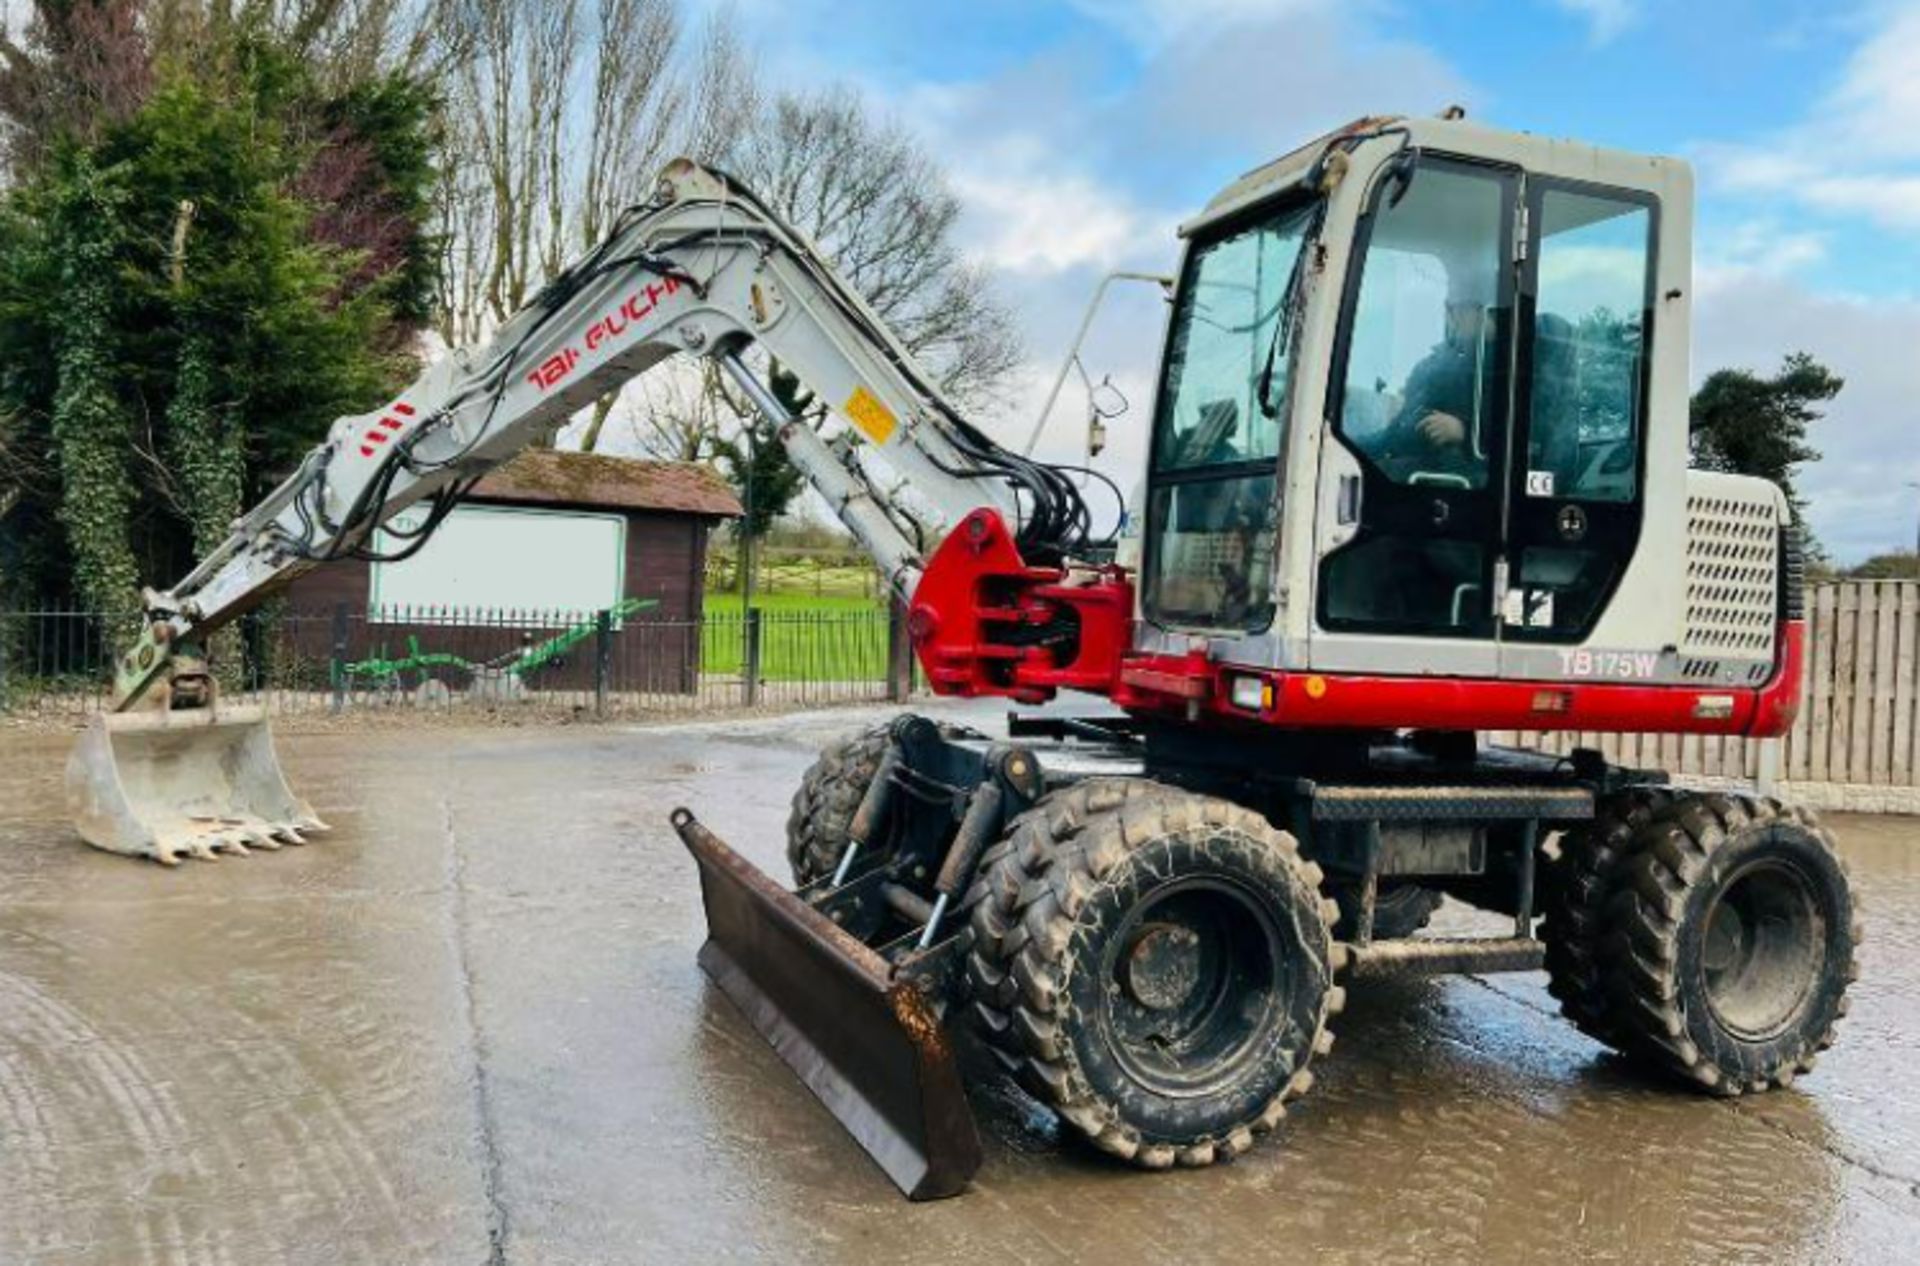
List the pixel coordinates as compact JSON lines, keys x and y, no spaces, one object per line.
{"x":1762,"y":949}
{"x":1190,"y":982}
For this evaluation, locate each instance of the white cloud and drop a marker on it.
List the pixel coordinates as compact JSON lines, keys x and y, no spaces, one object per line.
{"x":1753,"y":250}
{"x":1025,"y":219}
{"x":1877,"y":103}
{"x":1242,"y":96}
{"x":1151,"y":23}
{"x":1857,"y":154}
{"x":1605,"y":18}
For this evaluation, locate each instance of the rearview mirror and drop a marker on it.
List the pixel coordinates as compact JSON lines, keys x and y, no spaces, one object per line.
{"x":1104,"y":400}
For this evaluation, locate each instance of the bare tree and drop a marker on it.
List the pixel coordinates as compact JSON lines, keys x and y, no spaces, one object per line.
{"x":524,"y":189}
{"x":680,"y":417}
{"x":75,"y":69}
{"x":880,"y":207}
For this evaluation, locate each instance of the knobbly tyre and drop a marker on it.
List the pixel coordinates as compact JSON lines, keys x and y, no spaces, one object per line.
{"x":1417,"y":470}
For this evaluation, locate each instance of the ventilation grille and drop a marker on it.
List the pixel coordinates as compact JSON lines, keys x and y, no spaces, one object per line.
{"x":1793,"y":573}
{"x":1733,"y":579}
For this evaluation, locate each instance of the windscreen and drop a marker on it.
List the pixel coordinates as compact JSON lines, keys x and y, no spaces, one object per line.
{"x":1219,"y":428}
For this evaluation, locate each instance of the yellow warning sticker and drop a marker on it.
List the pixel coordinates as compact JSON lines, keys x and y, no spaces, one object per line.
{"x":865,"y":411}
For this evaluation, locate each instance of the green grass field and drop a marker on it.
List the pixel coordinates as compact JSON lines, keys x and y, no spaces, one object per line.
{"x":725,"y":604}
{"x":803,"y":637}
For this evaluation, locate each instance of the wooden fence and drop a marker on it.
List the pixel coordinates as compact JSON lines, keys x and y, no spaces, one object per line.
{"x":1854,"y":743}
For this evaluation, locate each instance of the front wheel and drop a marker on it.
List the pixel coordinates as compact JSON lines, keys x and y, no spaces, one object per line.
{"x":1171,"y":976}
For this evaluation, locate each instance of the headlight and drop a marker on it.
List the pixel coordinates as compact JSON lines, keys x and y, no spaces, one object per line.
{"x":1249,"y":693}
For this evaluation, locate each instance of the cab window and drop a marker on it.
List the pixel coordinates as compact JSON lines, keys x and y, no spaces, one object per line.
{"x":1220,"y":429}
{"x":1589,"y":349}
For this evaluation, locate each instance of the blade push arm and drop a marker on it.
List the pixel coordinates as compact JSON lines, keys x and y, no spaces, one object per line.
{"x":703,"y":269}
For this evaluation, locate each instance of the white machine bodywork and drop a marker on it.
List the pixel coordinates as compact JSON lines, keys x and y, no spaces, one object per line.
{"x":1649,"y":614}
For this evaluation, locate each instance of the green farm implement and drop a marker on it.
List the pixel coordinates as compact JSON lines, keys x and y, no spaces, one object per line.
{"x":500,"y":676}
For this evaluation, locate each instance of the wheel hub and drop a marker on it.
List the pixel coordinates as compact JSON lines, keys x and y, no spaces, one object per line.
{"x":1162,"y":966}
{"x":1193,"y":976}
{"x":1762,"y":949}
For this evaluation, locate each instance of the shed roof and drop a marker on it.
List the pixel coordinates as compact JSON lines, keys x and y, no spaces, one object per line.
{"x":603,"y":481}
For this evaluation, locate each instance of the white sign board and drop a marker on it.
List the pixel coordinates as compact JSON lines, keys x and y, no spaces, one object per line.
{"x":496,"y":558}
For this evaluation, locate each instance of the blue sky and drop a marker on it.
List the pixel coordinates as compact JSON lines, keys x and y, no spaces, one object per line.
{"x":1078,"y":132}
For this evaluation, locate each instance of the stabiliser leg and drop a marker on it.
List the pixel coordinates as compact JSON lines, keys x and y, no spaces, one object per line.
{"x":865,"y":1041}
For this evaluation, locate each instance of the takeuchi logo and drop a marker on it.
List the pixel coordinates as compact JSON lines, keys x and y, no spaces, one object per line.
{"x":638,"y":306}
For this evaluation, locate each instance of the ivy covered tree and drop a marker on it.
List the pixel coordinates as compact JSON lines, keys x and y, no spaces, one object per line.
{"x":196,"y":278}
{"x":89,"y":423}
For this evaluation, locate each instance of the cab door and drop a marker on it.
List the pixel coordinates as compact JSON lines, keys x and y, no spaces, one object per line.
{"x":1414,"y":470}
{"x":1575,"y":492}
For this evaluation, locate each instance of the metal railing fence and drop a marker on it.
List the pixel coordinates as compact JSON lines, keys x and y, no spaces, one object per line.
{"x":334,"y":659}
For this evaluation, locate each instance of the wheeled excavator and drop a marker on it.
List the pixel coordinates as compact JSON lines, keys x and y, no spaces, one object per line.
{"x":1417,"y":471}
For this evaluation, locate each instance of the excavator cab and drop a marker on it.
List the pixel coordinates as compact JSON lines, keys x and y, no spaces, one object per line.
{"x":1447,"y":370}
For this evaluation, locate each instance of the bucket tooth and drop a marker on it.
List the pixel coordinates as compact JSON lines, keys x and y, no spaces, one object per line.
{"x":188,"y":783}
{"x":867,"y":1043}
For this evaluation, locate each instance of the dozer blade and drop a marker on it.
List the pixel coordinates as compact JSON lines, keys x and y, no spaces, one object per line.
{"x":868,"y":1045}
{"x":188,"y":783}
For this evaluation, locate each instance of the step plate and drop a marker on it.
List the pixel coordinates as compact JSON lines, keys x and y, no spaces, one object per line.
{"x":1446,"y":956}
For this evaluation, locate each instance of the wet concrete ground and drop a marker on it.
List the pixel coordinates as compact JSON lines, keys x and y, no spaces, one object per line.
{"x":467,"y":1027}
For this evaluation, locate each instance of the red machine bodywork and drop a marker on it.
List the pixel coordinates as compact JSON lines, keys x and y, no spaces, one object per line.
{"x":983,"y":622}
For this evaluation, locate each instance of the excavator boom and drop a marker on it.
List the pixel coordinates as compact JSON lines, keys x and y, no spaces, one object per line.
{"x":703,"y":269}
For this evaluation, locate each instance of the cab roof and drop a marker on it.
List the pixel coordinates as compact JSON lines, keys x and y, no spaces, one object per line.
{"x":1567,"y":158}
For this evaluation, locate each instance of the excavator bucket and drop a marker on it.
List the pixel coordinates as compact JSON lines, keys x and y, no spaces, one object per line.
{"x":187,"y":783}
{"x":865,"y":1041}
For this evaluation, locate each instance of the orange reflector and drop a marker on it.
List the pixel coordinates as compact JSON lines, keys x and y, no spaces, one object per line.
{"x":1553,"y":701}
{"x":1316,"y":687}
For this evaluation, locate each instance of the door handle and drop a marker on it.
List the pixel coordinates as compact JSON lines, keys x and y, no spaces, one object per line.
{"x":1346,"y":503}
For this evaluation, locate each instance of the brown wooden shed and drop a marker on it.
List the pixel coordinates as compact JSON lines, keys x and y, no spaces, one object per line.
{"x":487,"y":582}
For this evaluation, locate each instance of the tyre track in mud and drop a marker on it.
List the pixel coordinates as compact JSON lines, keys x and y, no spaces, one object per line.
{"x":194,"y":1074}
{"x":109,"y":1096}
{"x":242,"y":1116}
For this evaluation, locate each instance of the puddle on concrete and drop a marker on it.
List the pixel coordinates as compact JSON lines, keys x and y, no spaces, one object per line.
{"x":471,"y":1016}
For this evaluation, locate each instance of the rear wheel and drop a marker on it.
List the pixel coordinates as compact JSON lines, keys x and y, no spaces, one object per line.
{"x":1160,"y":970}
{"x":1731,"y":941}
{"x":1575,"y":888}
